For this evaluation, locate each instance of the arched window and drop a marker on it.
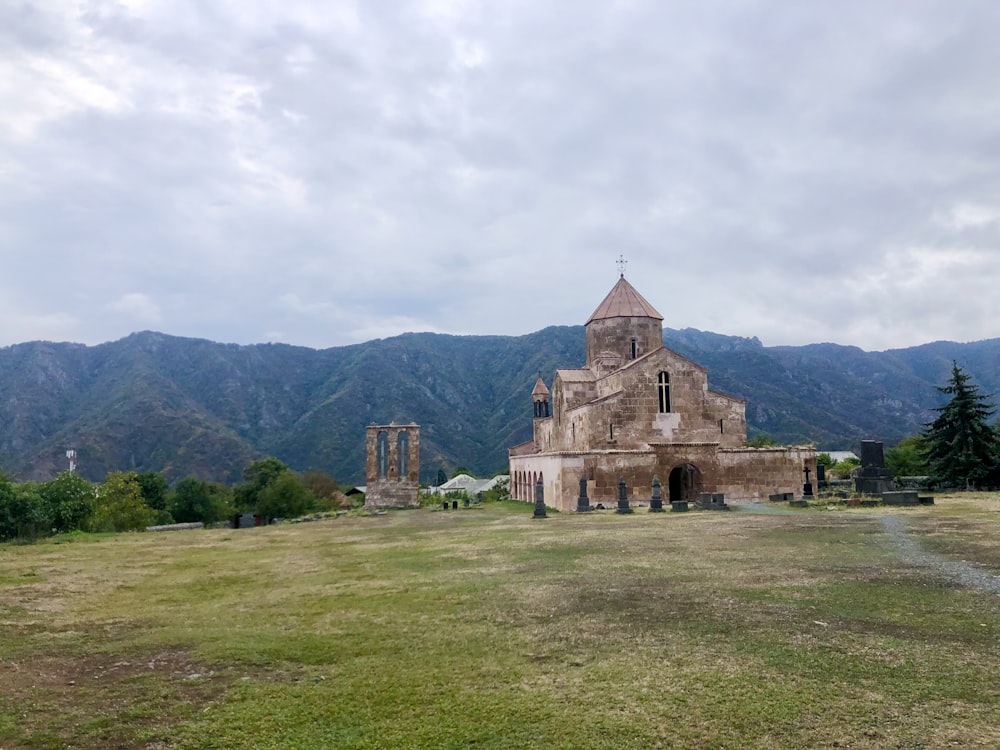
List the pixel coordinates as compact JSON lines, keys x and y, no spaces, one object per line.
{"x":635,"y":348}
{"x":403,"y":454}
{"x":382,"y":452}
{"x":663,"y":391}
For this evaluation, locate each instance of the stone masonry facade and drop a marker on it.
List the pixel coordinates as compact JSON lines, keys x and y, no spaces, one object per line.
{"x":637,"y":410}
{"x":392,"y":468}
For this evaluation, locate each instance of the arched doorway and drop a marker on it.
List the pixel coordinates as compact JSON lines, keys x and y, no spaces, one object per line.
{"x":684,"y":482}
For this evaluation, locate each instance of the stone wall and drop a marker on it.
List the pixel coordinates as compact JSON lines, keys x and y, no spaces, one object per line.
{"x":614,"y":335}
{"x":746,"y":474}
{"x":392,"y":475}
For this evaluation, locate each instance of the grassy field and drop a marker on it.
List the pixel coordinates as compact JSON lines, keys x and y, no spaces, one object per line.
{"x":487,"y":629}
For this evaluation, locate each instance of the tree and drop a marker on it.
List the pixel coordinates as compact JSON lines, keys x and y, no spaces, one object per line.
{"x":70,"y":501}
{"x":323,"y":488}
{"x":285,"y":497}
{"x":761,"y":440}
{"x":193,"y":500}
{"x":153,"y":486}
{"x":22,"y":511}
{"x":962,"y":448}
{"x":256,"y":477}
{"x":908,"y":458}
{"x":120,"y":506}
{"x":441,"y":477}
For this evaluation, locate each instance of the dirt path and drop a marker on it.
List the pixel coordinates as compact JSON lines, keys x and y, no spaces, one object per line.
{"x":958,"y":572}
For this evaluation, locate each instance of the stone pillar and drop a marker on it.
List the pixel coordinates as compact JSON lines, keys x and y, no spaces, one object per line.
{"x":539,"y":500}
{"x":656,"y":503}
{"x":583,"y":502}
{"x":622,"y":497}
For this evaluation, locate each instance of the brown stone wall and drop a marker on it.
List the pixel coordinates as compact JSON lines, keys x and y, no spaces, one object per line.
{"x":615,"y":335}
{"x":742,"y":475}
{"x":392,"y":490}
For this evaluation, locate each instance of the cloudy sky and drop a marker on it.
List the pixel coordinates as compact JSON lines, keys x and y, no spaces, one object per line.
{"x":321,"y":172}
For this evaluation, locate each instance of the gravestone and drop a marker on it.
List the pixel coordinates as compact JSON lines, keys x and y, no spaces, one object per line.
{"x":583,"y":502}
{"x":712,"y":501}
{"x":821,"y":476}
{"x":622,"y":497}
{"x":656,"y":502}
{"x":873,"y":478}
{"x":807,"y":488}
{"x":454,"y":504}
{"x":781,"y":497}
{"x":444,"y":505}
{"x":465,"y":501}
{"x":903,"y":497}
{"x":679,"y":506}
{"x":539,"y":501}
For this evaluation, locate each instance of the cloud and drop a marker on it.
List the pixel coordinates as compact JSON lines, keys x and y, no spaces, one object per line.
{"x":328,"y":172}
{"x":138,"y":307}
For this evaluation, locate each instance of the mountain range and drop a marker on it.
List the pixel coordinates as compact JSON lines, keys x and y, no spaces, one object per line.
{"x":154,"y":402}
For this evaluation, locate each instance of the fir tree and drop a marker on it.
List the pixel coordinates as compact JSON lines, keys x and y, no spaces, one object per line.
{"x":962,"y":448}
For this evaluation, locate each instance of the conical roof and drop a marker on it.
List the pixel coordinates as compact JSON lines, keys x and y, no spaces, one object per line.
{"x":623,"y":301}
{"x":540,"y":388}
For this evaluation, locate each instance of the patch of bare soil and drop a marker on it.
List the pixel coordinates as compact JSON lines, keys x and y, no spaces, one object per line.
{"x":107,"y":701}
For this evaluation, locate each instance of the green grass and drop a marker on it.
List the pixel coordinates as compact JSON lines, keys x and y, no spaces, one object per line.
{"x":489,"y":629}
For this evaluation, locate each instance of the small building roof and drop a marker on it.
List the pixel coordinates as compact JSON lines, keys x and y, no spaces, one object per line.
{"x":841,"y":455}
{"x":576,"y":376}
{"x":623,"y":301}
{"x":540,"y":388}
{"x":467,"y":483}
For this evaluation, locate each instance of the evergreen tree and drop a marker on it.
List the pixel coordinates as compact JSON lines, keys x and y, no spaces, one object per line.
{"x":962,"y":448}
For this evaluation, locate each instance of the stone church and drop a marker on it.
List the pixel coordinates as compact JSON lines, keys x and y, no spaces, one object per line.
{"x":637,"y":410}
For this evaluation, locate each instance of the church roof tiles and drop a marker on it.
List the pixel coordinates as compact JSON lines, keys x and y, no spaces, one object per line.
{"x":623,"y":301}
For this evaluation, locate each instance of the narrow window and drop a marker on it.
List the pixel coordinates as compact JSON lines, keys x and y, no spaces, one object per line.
{"x":663,"y":389}
{"x":403,"y":453}
{"x":611,"y":432}
{"x":382,"y":451}
{"x":721,"y":428}
{"x":634,"y":348}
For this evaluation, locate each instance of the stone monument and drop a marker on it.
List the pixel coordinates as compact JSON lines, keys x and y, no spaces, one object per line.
{"x":392,"y":469}
{"x":872,"y":478}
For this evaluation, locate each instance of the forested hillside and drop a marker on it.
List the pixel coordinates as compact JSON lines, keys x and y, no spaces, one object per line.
{"x":153,"y":402}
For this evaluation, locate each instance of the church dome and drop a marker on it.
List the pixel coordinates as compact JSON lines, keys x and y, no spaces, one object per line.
{"x":623,"y":301}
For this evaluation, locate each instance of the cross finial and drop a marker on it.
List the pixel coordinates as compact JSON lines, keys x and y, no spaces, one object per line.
{"x":621,"y":263}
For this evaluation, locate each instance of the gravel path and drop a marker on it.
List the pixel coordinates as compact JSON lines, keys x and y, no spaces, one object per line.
{"x":958,"y":572}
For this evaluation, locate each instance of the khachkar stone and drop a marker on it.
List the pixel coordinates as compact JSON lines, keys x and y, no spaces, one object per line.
{"x":583,"y":502}
{"x":807,"y":488}
{"x":539,"y":501}
{"x":392,"y":469}
{"x":656,"y":503}
{"x":622,"y":497}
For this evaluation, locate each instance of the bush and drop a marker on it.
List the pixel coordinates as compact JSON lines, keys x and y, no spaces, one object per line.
{"x":193,"y":500}
{"x":120,"y":506}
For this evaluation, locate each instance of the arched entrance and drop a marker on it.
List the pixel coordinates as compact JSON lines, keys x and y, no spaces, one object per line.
{"x":684,"y":482}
